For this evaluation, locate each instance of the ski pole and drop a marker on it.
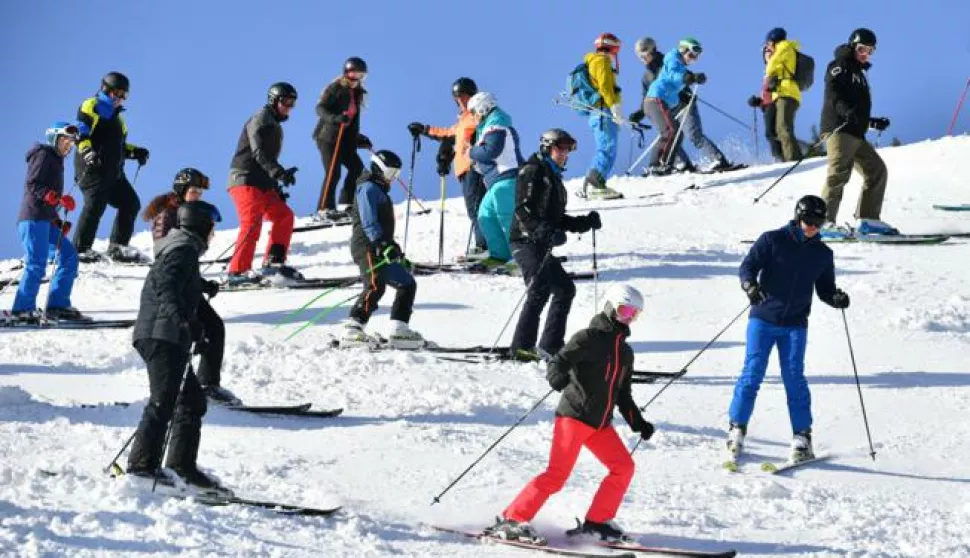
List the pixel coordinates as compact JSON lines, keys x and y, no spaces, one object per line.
{"x":437,"y":499}
{"x":855,"y":371}
{"x":683,"y":370}
{"x":468,"y":243}
{"x":596,"y":278}
{"x":135,"y":180}
{"x":319,"y":315}
{"x":333,"y":161}
{"x":805,"y":154}
{"x":415,"y":148}
{"x":347,"y":283}
{"x":54,"y":262}
{"x":680,"y":126}
{"x":113,"y":467}
{"x":171,"y":421}
{"x":528,"y":287}
{"x":956,"y":113}
{"x":754,"y":134}
{"x":725,"y":114}
{"x":649,"y":148}
{"x":441,"y":226}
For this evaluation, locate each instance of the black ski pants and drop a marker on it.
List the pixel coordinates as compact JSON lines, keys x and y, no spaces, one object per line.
{"x":210,"y":363}
{"x":376,"y":282}
{"x":98,"y":194}
{"x":167,"y":363}
{"x":346,"y":157}
{"x":473,"y":190}
{"x":544,"y":277}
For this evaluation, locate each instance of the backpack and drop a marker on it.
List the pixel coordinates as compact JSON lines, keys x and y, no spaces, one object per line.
{"x":581,"y":90}
{"x":804,"y":74}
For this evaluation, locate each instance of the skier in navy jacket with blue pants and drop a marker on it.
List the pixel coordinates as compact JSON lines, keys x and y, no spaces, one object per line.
{"x":779,"y":275}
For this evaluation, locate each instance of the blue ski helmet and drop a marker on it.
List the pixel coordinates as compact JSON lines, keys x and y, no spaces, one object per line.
{"x":60,"y":128}
{"x":776,"y":35}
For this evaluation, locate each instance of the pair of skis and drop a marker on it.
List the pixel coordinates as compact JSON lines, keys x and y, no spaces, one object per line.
{"x":732,"y":464}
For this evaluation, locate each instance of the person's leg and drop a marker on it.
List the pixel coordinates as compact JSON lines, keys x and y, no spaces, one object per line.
{"x":791,"y":357}
{"x":123,"y":198}
{"x":660,"y":118}
{"x":505,"y":208}
{"x":563,"y":291}
{"x":785,"y":122}
{"x":694,"y":130}
{"x":874,"y":178}
{"x":249,"y":207}
{"x":771,"y":134}
{"x":473,"y":190}
{"x":62,"y":283}
{"x":759,"y":342}
{"x":331,"y":176}
{"x":351,"y":160}
{"x":183,"y":450}
{"x":841,"y":150}
{"x":406,"y":288}
{"x":529,"y":257}
{"x":568,"y":437}
{"x":280,"y":214}
{"x":491,"y":226}
{"x":210,"y":363}
{"x":607,"y":446}
{"x":95,"y":202}
{"x":34,"y":238}
{"x":374,"y":287}
{"x":166,"y":364}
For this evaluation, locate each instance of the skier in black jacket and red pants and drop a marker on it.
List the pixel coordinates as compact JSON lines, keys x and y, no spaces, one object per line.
{"x":593,"y":372}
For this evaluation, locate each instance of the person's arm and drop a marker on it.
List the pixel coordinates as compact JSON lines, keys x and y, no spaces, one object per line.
{"x":325,"y":105}
{"x":601,"y":73}
{"x":439,"y":132}
{"x":87,"y":120}
{"x":40,"y":170}
{"x":368,"y":199}
{"x":260,"y":131}
{"x":825,"y":284}
{"x":558,"y":372}
{"x":838,"y":82}
{"x":489,"y":148}
{"x":528,"y":189}
{"x":755,"y":261}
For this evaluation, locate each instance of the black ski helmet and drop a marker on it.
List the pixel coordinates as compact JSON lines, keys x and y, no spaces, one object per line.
{"x":811,"y":210}
{"x":114,"y":81}
{"x":776,"y":35}
{"x":280,"y":90}
{"x":355,"y":64}
{"x":189,"y":178}
{"x":385,"y":165}
{"x":557,"y":137}
{"x":198,"y":217}
{"x":464,"y":86}
{"x":862,"y":36}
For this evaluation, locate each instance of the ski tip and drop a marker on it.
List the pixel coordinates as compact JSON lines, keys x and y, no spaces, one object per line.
{"x":731,"y":466}
{"x":769,"y":467}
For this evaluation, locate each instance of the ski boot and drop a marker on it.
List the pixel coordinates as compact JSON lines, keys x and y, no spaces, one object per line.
{"x":281,"y":275}
{"x":832,"y":231}
{"x":221,"y":396}
{"x":161,"y":481}
{"x":735,"y":439}
{"x":124,"y":254}
{"x":89,"y":256}
{"x":520,"y":531}
{"x":355,"y":336}
{"x":685,"y":168}
{"x":534,"y":354}
{"x":68,"y":314}
{"x":723,"y":165}
{"x":801,"y":447}
{"x":607,"y":532}
{"x":27,"y":317}
{"x":243,"y":279}
{"x":329,"y":216}
{"x":200,"y":484}
{"x":401,"y":336}
{"x":875,"y":226}
{"x":476,"y":254}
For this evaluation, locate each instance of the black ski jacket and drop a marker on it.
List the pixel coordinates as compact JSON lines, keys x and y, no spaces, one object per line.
{"x":599,"y":364}
{"x":540,"y":203}
{"x":846,"y":94}
{"x":172,"y":290}
{"x":256,"y":159}
{"x":334,"y":101}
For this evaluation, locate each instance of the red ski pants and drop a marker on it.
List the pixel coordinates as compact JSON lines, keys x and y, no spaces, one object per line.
{"x":568,"y":437}
{"x":253,"y":205}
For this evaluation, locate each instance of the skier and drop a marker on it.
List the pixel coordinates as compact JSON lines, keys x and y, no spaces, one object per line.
{"x":162,"y":213}
{"x":496,"y":157}
{"x":778,"y":275}
{"x":786,"y":96}
{"x":337,"y":135}
{"x":463,"y":132}
{"x":102,"y":149}
{"x":254,"y":185}
{"x":593,"y":373}
{"x":42,"y":231}
{"x":166,"y":328}
{"x":603,"y":67}
{"x":847,"y":104}
{"x":769,"y":111}
{"x":380,"y":258}
{"x":539,"y":225}
{"x":664,"y":93}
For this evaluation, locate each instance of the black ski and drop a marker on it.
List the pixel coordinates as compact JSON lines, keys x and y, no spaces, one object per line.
{"x":556,"y":550}
{"x":302,"y":410}
{"x":322,"y":225}
{"x":312,"y":283}
{"x":15,"y":282}
{"x":730,"y":168}
{"x":471,"y":269}
{"x":651,"y":376}
{"x":278,"y":507}
{"x":66,"y":324}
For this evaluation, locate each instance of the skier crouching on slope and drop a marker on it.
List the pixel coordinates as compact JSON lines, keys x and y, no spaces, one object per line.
{"x":162,"y":212}
{"x":539,"y":225}
{"x":497,"y":158}
{"x":779,"y":274}
{"x":593,"y":373}
{"x":380,"y":258}
{"x":42,"y":232}
{"x":165,"y":330}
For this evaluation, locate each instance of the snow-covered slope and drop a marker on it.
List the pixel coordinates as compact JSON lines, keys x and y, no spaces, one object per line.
{"x":413,"y":422}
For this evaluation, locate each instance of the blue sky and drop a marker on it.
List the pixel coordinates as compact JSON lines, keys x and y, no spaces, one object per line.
{"x":199,"y":69}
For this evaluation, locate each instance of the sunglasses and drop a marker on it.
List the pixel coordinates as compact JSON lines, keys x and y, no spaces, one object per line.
{"x":288,"y":102}
{"x":865,"y":49}
{"x":813,"y":221}
{"x":626,"y":313}
{"x":569,"y":146}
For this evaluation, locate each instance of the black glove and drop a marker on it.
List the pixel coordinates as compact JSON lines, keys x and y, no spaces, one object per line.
{"x":341,"y":119}
{"x":91,"y":159}
{"x":879,"y":123}
{"x":558,"y":238}
{"x":754,"y":292}
{"x":700,"y":78}
{"x":594,"y":220}
{"x":287,"y":176}
{"x":636,"y":116}
{"x":417,"y":128}
{"x":390,"y":251}
{"x":446,"y":154}
{"x":363,"y":142}
{"x":754,"y":101}
{"x":639,"y":424}
{"x":773,"y":83}
{"x":557,"y":377}
{"x":840,"y":299}
{"x":646,"y":432}
{"x":684,"y":97}
{"x":689,"y":78}
{"x":210,"y":288}
{"x":139,"y":154}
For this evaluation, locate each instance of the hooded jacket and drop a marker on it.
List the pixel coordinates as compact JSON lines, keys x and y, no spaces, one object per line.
{"x":780,"y":71}
{"x":846,"y":94}
{"x":496,"y":156}
{"x":45,"y":173}
{"x":599,"y":364}
{"x":670,"y":81}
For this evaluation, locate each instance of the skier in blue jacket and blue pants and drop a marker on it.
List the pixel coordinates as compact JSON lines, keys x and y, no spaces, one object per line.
{"x":779,"y":274}
{"x":41,"y":230}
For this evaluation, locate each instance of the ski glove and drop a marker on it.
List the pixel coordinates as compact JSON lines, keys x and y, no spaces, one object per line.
{"x":286,"y":176}
{"x":593,"y":218}
{"x":390,"y":251}
{"x":363,"y":142}
{"x":617,"y":115}
{"x":91,"y":159}
{"x":637,"y":116}
{"x":558,"y":379}
{"x":754,"y":292}
{"x":341,"y":119}
{"x":65,"y":226}
{"x":754,"y":101}
{"x":639,"y":424}
{"x":700,"y":78}
{"x":140,"y":154}
{"x":879,"y":123}
{"x":210,"y":287}
{"x":646,"y":432}
{"x":417,"y":128}
{"x":840,"y":299}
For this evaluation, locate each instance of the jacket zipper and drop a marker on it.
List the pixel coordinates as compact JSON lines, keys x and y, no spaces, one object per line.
{"x":612,"y":382}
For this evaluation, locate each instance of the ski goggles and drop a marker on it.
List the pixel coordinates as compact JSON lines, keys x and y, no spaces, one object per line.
{"x":696,"y":50}
{"x":119,"y":94}
{"x":70,"y":130}
{"x":567,"y":144}
{"x":288,"y":102}
{"x":813,"y":220}
{"x":865,"y":49}
{"x":356,"y":76}
{"x":626,"y":313}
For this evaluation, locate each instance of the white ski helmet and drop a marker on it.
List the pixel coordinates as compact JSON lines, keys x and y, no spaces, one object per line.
{"x":482,"y":103}
{"x":622,"y":295}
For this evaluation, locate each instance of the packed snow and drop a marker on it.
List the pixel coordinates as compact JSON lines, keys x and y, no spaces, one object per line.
{"x":413,"y":422}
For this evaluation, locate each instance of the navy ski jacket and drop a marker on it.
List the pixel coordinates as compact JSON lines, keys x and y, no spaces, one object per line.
{"x":788,"y":267}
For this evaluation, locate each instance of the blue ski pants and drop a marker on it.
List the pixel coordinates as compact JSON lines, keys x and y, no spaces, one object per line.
{"x":604,"y":135}
{"x":495,"y":217}
{"x":791,"y":341}
{"x":39,"y":239}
